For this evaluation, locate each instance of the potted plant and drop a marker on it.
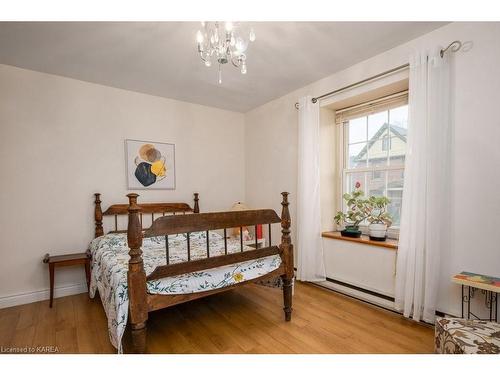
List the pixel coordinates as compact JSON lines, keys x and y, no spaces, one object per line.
{"x":357,"y":210}
{"x":378,"y":218}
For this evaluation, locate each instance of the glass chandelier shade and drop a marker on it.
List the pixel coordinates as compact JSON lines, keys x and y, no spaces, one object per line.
{"x":223,"y":44}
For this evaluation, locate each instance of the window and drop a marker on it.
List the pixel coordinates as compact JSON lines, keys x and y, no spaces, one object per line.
{"x":386,"y":143}
{"x":374,"y":149}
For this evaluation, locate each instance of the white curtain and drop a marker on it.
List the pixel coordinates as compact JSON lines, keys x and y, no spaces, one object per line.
{"x":425,"y":216}
{"x":310,"y":263}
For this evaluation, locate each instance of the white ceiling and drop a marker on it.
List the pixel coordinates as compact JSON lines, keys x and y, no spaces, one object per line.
{"x":160,"y":58}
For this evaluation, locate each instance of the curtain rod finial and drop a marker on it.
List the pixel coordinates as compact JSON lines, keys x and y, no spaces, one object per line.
{"x":455,"y":47}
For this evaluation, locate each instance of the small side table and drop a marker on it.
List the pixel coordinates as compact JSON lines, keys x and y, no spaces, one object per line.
{"x":63,"y":261}
{"x":489,"y":286}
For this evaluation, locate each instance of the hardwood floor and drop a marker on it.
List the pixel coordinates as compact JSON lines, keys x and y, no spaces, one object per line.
{"x":246,"y":320}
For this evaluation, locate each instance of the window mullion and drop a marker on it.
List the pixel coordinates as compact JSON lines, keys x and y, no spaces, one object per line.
{"x":388,"y":160}
{"x":346,"y":141}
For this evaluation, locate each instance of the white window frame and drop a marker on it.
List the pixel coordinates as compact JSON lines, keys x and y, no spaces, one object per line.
{"x":341,"y":118}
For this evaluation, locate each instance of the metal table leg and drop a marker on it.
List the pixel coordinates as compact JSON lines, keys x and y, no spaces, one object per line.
{"x":463,"y":301}
{"x":496,"y":307}
{"x":489,"y":296}
{"x":491,"y":305}
{"x":491,"y":302}
{"x":468,"y":303}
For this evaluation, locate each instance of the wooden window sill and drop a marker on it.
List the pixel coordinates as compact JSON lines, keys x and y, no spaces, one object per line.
{"x":365,"y":240}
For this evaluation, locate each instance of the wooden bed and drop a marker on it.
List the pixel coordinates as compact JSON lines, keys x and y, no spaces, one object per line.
{"x":175,"y":218}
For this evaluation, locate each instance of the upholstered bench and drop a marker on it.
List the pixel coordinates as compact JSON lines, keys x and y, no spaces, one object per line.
{"x":461,"y":336}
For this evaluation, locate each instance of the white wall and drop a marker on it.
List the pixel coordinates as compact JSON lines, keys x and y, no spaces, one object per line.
{"x":271,"y":146}
{"x":61,"y":140}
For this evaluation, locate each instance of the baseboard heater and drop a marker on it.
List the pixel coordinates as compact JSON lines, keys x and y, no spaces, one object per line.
{"x":360,"y":289}
{"x":383,"y":296}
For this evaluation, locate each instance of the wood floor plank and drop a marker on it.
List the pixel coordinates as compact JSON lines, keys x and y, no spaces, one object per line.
{"x":45,"y":330}
{"x":245,"y":320}
{"x":249,"y":326}
{"x":171,"y":324}
{"x":65,"y":313}
{"x":8,"y":323}
{"x":45,"y":336}
{"x":67,"y":340}
{"x":28,"y":315}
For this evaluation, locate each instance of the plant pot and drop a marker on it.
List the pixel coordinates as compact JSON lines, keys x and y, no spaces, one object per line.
{"x":351,"y":231}
{"x":378,"y":231}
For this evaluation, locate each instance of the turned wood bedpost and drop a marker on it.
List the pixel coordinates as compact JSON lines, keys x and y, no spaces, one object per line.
{"x":136,"y":278}
{"x":196,"y":208}
{"x":287,"y":257}
{"x":98,"y":216}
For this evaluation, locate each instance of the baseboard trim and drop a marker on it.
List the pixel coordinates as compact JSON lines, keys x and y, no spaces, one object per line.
{"x":41,"y":295}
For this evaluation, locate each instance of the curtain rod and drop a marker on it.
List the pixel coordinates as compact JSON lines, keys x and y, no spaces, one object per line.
{"x":352,"y":85}
{"x":455,"y":46}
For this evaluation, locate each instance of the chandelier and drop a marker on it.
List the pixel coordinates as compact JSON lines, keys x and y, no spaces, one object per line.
{"x":221,"y":45}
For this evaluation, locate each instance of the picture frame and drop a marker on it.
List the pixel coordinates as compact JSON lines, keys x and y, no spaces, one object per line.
{"x":150,"y":165}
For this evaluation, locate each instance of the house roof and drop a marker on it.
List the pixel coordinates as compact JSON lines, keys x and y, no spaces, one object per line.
{"x":398,"y":131}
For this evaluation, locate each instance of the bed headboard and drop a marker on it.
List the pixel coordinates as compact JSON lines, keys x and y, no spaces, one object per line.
{"x":145,"y":208}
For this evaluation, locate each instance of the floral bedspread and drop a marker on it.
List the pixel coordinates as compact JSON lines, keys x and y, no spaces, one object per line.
{"x":110,"y":265}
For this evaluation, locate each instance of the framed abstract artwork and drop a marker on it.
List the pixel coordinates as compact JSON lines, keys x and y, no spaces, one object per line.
{"x":150,"y":165}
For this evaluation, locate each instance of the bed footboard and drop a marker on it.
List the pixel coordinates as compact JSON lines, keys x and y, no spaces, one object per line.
{"x":141,"y":303}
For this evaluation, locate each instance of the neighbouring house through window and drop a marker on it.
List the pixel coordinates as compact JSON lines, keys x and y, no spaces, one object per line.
{"x":386,"y":143}
{"x":374,"y":148}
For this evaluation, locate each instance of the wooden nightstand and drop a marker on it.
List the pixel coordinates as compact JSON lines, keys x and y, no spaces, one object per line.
{"x":63,"y":261}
